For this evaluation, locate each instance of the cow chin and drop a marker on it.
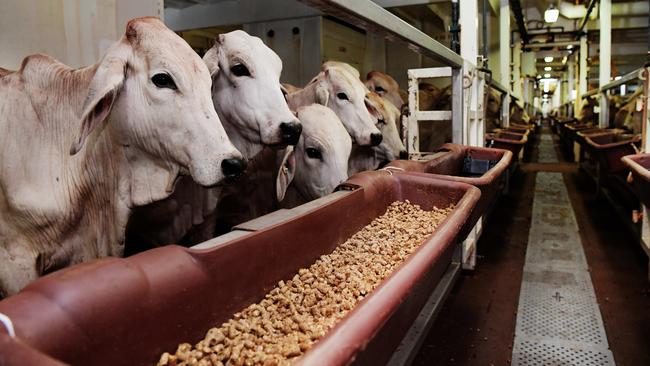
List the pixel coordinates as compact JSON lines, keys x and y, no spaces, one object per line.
{"x":205,"y":176}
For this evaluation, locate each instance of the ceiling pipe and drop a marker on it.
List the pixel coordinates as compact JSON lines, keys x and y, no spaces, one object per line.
{"x":585,"y":19}
{"x":519,"y":18}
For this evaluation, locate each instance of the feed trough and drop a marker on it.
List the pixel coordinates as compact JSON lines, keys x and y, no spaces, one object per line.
{"x":481,"y":167}
{"x":639,"y":165}
{"x":608,"y":149}
{"x":129,"y":311}
{"x":506,"y":140}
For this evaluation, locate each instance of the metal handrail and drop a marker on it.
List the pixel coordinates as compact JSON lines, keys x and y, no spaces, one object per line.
{"x":372,"y":17}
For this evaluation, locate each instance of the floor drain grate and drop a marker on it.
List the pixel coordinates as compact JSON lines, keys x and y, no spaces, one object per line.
{"x":533,"y":353}
{"x":558,"y":319}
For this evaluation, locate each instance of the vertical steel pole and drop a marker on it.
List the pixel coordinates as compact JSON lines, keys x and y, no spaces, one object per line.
{"x":571,"y":84}
{"x":582,"y":86}
{"x":605,"y":69}
{"x":504,"y":59}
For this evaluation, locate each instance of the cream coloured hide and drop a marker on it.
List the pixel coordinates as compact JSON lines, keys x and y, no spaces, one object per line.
{"x":384,"y":85}
{"x":81,"y":148}
{"x":311,"y":169}
{"x":628,"y":117}
{"x":340,"y":90}
{"x":248,"y":97}
{"x":370,"y":158}
{"x":319,"y":162}
{"x":587,"y":113}
{"x":493,"y":110}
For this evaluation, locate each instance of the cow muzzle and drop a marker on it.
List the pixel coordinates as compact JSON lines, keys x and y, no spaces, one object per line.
{"x":290,"y":132}
{"x":233,"y":168}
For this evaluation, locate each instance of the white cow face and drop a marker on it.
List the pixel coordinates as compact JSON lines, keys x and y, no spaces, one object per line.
{"x":154,"y":91}
{"x":388,"y":115}
{"x":319,"y":161}
{"x":247,"y":92}
{"x":345,"y":94}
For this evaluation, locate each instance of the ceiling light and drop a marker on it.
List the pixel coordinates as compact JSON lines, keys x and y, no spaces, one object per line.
{"x":569,"y":47}
{"x":618,"y":78}
{"x":548,"y":68}
{"x":548,"y":59}
{"x":551,"y":14}
{"x":546,"y":76}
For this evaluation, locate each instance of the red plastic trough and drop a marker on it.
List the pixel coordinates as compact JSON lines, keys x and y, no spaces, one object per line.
{"x":452,"y":166}
{"x":128,"y":311}
{"x":639,"y":165}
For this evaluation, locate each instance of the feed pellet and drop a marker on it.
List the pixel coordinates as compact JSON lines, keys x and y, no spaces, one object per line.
{"x":299,"y":311}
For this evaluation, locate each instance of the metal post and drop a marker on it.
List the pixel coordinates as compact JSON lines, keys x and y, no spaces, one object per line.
{"x":473,"y":121}
{"x":571,"y":83}
{"x":605,"y":69}
{"x":582,"y":82}
{"x":504,"y":53}
{"x":516,"y":70}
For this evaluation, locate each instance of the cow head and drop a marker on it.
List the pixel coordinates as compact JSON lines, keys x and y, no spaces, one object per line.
{"x":153,"y":91}
{"x":247,"y":93}
{"x":385,"y":86}
{"x":319,"y":162}
{"x":337,"y":88}
{"x":388,"y":116}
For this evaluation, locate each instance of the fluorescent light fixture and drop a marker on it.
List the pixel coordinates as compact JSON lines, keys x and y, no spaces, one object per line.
{"x":548,"y":59}
{"x":618,"y":77}
{"x":569,"y":47}
{"x":548,"y":68}
{"x":551,"y":14}
{"x":546,"y":76}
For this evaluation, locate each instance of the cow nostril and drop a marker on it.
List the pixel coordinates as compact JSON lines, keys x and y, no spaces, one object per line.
{"x":403,"y":154}
{"x":233,"y":168}
{"x":375,"y":139}
{"x":290,"y":132}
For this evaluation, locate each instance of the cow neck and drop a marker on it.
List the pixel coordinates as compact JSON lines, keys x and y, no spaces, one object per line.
{"x":87,"y":196}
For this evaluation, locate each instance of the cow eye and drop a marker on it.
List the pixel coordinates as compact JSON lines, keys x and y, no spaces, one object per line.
{"x":240,"y":70}
{"x":163,"y":80}
{"x":314,"y":153}
{"x":381,"y":121}
{"x":379,"y":89}
{"x":342,"y":96}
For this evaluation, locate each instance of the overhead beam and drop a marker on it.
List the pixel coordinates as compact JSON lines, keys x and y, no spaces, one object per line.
{"x":235,"y":12}
{"x":395,"y":3}
{"x":373,"y":18}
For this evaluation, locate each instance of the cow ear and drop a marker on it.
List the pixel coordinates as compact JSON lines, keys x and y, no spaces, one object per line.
{"x":286,"y":173}
{"x":211,"y":59}
{"x":103,"y":90}
{"x":372,"y":109}
{"x":322,"y":95}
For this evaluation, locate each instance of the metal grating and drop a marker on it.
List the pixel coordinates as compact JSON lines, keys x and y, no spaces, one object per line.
{"x":558,"y":319}
{"x":546,"y":150}
{"x":536,"y":353}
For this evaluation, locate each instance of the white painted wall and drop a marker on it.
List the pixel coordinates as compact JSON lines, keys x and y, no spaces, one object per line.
{"x":76,"y":32}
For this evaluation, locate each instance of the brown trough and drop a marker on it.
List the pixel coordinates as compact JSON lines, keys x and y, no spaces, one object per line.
{"x":639,"y":165}
{"x":608,"y":149}
{"x":481,"y":167}
{"x":506,"y":140}
{"x":128,"y":311}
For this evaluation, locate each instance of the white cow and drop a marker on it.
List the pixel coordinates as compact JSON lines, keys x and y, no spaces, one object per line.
{"x":248,"y":97}
{"x":80,"y":148}
{"x":391,"y":148}
{"x":295,"y":175}
{"x":339,"y":89}
{"x":319,"y":162}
